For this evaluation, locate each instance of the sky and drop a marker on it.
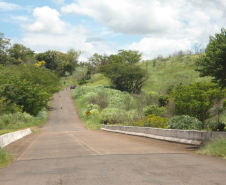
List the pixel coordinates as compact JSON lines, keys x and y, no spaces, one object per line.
{"x":153,"y":27}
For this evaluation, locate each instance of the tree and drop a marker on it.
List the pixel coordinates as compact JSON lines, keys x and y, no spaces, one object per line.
{"x":20,"y":53}
{"x":125,"y":77}
{"x":4,"y":44}
{"x":130,"y":56}
{"x":48,"y":80}
{"x":197,"y":99}
{"x":116,"y":59}
{"x":29,"y":96}
{"x":213,"y":62}
{"x":72,"y":56}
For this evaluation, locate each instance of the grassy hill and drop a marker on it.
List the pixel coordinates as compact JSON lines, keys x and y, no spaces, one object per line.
{"x":162,"y":73}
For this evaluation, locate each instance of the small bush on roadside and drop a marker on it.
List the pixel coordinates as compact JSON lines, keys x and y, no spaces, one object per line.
{"x":215,"y":126}
{"x":152,"y":121}
{"x":185,"y":122}
{"x":158,"y":122}
{"x":113,"y":116}
{"x":153,"y":109}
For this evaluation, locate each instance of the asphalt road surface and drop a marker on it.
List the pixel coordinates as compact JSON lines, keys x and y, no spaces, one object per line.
{"x":66,"y":153}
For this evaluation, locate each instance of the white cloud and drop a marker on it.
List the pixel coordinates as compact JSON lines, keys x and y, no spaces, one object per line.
{"x":4,"y":6}
{"x":151,"y":47}
{"x":46,"y":21}
{"x":167,"y":26}
{"x":49,"y":32}
{"x":58,"y":2}
{"x":129,"y":16}
{"x":19,"y":18}
{"x":155,"y":18}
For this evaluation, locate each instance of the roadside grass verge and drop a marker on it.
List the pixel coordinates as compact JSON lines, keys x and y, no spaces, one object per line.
{"x":13,"y":122}
{"x":216,"y":147}
{"x":5,"y":158}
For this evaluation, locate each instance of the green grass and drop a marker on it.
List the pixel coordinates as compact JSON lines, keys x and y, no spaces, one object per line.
{"x":98,"y":79}
{"x":13,"y":122}
{"x":2,"y":132}
{"x":5,"y":158}
{"x":92,"y":121}
{"x":216,"y":147}
{"x":172,"y":70}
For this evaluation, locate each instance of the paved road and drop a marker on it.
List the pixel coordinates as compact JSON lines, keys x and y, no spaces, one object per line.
{"x":66,"y":153}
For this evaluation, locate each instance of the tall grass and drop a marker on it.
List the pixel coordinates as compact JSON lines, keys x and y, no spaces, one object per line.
{"x":5,"y":158}
{"x":12,"y":122}
{"x":216,"y":147}
{"x":172,"y":70}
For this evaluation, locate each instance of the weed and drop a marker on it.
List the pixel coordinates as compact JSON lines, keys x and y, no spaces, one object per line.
{"x":216,"y":147}
{"x":5,"y":158}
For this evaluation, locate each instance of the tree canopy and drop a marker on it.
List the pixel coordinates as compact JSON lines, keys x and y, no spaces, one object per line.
{"x":4,"y":45}
{"x":197,"y":99}
{"x":124,"y":76}
{"x":213,"y":62}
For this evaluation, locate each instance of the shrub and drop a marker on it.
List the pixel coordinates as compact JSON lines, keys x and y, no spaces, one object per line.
{"x":100,"y":99}
{"x":30,"y":97}
{"x":163,"y":100}
{"x":158,"y":122}
{"x":113,"y":116}
{"x":197,"y":99}
{"x":185,"y":122}
{"x":153,"y":109}
{"x":152,"y":121}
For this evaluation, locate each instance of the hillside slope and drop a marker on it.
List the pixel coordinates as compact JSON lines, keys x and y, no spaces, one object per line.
{"x":162,"y":73}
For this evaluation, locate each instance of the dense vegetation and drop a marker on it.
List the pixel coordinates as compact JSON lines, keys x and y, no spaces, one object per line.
{"x":171,"y":89}
{"x":27,"y":84}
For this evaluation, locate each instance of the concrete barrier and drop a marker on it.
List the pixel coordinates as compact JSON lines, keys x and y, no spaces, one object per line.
{"x":182,"y":136}
{"x":13,"y":136}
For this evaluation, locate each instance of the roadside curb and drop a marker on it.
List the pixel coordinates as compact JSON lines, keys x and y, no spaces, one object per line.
{"x":13,"y":136}
{"x":181,"y":136}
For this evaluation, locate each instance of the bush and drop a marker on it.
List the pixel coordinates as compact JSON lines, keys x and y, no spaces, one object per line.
{"x":185,"y":122}
{"x":158,"y":122}
{"x":152,"y":121}
{"x":153,"y":109}
{"x":100,"y":99}
{"x":197,"y":99}
{"x":30,"y":97}
{"x":215,"y":126}
{"x":113,"y":116}
{"x":163,"y":100}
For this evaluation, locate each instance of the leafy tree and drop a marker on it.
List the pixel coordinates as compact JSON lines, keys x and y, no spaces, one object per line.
{"x":69,"y":68}
{"x":4,"y":44}
{"x":130,"y":56}
{"x":197,"y":99}
{"x":29,"y":96}
{"x":46,"y":79}
{"x":213,"y":62}
{"x":20,"y":53}
{"x":72,"y":56}
{"x":125,"y":77}
{"x":116,"y":59}
{"x":58,"y":61}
